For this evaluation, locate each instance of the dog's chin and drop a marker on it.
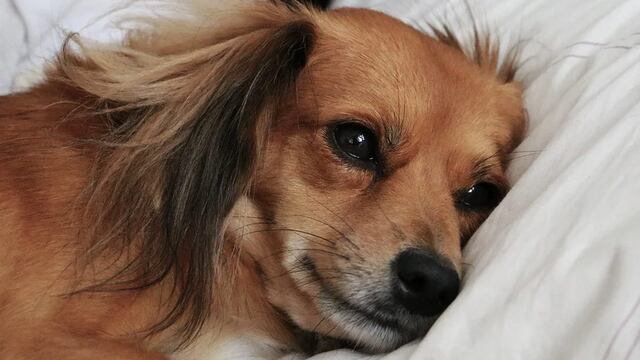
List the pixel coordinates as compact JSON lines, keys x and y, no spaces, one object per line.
{"x":368,"y":330}
{"x":360,"y":334}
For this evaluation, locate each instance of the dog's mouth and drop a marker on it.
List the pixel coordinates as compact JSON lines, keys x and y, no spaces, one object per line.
{"x":372,"y":327}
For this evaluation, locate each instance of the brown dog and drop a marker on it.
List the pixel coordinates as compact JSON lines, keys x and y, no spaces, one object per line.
{"x":282,"y":174}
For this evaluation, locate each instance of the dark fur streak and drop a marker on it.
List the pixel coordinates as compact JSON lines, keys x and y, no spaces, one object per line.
{"x":209,"y":170}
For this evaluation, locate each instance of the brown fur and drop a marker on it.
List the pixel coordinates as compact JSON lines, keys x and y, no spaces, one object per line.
{"x":181,"y":184}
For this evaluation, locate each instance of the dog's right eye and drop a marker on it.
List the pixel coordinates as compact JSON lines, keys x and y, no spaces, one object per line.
{"x":480,"y":196}
{"x":355,"y":143}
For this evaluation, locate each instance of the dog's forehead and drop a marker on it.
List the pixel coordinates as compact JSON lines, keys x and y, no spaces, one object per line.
{"x":370,"y":65}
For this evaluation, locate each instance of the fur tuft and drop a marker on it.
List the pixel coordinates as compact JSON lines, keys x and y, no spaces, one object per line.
{"x":484,"y":51}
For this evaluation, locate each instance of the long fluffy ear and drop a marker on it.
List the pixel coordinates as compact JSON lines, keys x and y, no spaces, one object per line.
{"x":186,"y":124}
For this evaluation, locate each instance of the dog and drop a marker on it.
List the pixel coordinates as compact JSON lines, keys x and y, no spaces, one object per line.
{"x":276,"y":174}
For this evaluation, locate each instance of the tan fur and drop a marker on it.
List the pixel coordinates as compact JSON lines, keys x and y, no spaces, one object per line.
{"x":443,"y":112}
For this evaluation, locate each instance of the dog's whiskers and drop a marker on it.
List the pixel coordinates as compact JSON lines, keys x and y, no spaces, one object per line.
{"x":269,"y":221}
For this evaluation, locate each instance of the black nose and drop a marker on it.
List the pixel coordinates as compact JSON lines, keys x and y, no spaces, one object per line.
{"x":424,"y":283}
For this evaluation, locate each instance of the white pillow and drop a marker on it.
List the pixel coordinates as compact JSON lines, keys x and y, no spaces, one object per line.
{"x":32,"y":31}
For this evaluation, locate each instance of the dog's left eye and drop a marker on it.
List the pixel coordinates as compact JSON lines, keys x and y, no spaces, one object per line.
{"x":481,"y":196}
{"x":355,"y":142}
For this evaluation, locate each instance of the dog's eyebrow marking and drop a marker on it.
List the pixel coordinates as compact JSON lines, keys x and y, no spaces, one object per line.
{"x":483,"y":166}
{"x":393,"y":135}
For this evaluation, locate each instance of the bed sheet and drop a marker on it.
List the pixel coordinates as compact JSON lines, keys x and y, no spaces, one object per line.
{"x":32,"y":32}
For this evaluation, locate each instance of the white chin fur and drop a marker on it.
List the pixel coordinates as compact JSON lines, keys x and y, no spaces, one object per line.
{"x":367,"y":334}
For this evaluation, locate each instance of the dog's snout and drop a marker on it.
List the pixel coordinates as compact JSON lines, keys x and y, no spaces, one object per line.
{"x":423,"y":283}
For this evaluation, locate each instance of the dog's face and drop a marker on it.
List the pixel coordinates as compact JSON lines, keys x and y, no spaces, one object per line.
{"x":388,"y":157}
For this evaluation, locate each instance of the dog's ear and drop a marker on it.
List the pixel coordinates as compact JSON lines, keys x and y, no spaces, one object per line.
{"x":186,"y":127}
{"x":483,"y":50}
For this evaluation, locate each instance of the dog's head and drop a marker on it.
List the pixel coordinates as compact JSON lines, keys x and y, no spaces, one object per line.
{"x":370,"y":150}
{"x":387,"y":156}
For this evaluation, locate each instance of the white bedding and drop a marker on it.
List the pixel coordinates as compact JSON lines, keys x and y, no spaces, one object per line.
{"x":555,"y":271}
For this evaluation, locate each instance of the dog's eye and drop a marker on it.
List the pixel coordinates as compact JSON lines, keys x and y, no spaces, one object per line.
{"x":481,"y":196}
{"x":355,"y":141}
